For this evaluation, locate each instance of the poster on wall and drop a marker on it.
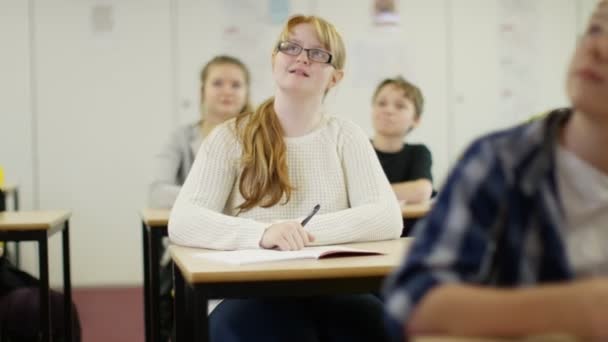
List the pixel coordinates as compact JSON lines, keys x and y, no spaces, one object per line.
{"x":518,"y":44}
{"x":102,"y":24}
{"x":278,"y":11}
{"x":385,"y":12}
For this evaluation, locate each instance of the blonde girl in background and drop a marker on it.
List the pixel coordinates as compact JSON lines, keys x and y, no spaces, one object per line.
{"x":225,"y":83}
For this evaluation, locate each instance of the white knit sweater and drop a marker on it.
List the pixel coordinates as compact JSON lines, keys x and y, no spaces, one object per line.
{"x":334,"y":166}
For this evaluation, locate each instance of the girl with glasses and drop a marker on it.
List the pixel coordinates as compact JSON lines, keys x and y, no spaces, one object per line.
{"x":256,"y":177}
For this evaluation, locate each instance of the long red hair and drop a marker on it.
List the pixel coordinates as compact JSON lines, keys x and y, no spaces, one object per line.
{"x":265,"y":175}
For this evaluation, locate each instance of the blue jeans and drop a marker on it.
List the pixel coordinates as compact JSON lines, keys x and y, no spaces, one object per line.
{"x":306,"y":319}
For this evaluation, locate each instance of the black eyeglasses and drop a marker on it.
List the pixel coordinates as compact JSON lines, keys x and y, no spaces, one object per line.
{"x":316,"y":55}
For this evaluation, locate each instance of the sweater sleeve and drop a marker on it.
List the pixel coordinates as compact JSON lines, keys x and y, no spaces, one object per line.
{"x":374,"y":212}
{"x":197,"y":218}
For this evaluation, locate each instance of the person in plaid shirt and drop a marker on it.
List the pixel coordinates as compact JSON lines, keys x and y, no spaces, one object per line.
{"x":517,"y":242}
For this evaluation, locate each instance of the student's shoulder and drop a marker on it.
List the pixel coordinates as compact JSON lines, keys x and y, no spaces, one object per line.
{"x":346,"y":129}
{"x":526,"y":135}
{"x":415,"y":149}
{"x":186,"y":131}
{"x":516,"y":146}
{"x":224,"y":131}
{"x":508,"y":143}
{"x":223,"y":139}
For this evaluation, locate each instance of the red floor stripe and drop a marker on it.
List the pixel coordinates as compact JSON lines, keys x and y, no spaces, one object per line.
{"x":110,"y":314}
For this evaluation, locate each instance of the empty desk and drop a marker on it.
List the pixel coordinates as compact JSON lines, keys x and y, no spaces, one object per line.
{"x":39,"y":226}
{"x":154,"y":228}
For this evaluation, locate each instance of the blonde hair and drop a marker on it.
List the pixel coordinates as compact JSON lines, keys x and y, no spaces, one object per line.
{"x":410,"y":90}
{"x":265,"y":175}
{"x":223,"y":60}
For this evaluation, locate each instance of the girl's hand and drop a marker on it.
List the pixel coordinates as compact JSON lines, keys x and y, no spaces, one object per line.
{"x":286,"y":236}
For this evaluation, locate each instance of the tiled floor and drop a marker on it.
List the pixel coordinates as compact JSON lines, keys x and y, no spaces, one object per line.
{"x":110,"y":314}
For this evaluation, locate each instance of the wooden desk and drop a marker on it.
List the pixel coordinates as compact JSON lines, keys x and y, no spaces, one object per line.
{"x":199,"y":280}
{"x":9,"y":190}
{"x":39,"y":226}
{"x":154,"y":228}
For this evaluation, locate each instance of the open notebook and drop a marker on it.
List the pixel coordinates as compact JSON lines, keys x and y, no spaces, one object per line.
{"x":252,"y":256}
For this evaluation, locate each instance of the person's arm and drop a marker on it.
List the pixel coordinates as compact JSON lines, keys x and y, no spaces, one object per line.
{"x":374,"y":212}
{"x":197,"y":219}
{"x":164,"y":187}
{"x":419,"y":186}
{"x":416,"y":191}
{"x":578,"y":308}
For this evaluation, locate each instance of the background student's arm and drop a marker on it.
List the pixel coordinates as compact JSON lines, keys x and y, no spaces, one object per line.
{"x":415,"y":191}
{"x":579,"y":308}
{"x":196,"y":219}
{"x":374,"y":213}
{"x":420,"y":187}
{"x":164,"y":187}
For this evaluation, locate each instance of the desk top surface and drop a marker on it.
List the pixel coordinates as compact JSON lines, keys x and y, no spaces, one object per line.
{"x":155,"y":218}
{"x":198,"y":270}
{"x":417,"y":210}
{"x":32,"y":220}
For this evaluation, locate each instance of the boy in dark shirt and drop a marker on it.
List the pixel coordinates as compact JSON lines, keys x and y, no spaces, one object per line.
{"x":397,"y":106}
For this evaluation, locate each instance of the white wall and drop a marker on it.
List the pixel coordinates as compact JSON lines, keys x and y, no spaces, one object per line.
{"x":18,"y":149}
{"x":83,"y":109}
{"x":103,"y":101}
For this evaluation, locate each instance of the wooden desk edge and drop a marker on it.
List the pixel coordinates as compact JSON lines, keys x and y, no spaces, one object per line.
{"x":305,"y":273}
{"x":20,"y":222}
{"x":155,"y":218}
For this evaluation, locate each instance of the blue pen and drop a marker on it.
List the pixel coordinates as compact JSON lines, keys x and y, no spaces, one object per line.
{"x":312,"y":213}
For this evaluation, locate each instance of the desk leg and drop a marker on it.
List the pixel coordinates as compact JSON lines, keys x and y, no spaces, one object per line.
{"x":182,"y":319}
{"x":67,"y":283}
{"x":147,"y":322}
{"x":199,"y":314}
{"x":17,"y":244}
{"x":45,"y":313}
{"x":17,"y":254}
{"x":155,"y":237}
{"x":16,"y":200}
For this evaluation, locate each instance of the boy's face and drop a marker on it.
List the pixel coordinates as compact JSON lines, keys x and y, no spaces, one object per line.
{"x":587,"y":81}
{"x":393,"y":114}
